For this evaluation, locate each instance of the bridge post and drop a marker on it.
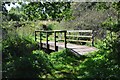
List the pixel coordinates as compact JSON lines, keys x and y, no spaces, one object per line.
{"x":92,"y":37}
{"x":56,"y":47}
{"x":65,"y":42}
{"x":40,"y":40}
{"x":35,"y":36}
{"x":47,"y":40}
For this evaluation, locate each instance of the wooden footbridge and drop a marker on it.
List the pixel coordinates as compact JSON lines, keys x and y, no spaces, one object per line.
{"x":60,"y":39}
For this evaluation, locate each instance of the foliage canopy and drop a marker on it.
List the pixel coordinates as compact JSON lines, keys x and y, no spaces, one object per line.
{"x":40,"y":11}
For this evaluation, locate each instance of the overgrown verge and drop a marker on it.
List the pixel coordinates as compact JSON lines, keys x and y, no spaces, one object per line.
{"x":98,"y":65}
{"x":62,"y":64}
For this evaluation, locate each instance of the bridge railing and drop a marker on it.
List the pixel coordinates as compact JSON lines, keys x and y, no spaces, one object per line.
{"x":64,"y":36}
{"x":46,"y":34}
{"x":80,"y":36}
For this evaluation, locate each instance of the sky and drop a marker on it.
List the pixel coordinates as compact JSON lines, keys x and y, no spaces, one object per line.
{"x":8,"y":7}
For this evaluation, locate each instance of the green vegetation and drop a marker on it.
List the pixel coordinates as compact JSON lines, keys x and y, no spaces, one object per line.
{"x":38,"y":11}
{"x":21,"y":57}
{"x":62,"y":64}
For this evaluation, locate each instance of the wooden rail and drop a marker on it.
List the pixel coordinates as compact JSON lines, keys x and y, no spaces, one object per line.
{"x":72,"y":34}
{"x":47,"y":35}
{"x":68,"y":35}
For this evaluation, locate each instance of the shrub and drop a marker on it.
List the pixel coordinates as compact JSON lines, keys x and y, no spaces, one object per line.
{"x":18,"y":46}
{"x":34,"y":65}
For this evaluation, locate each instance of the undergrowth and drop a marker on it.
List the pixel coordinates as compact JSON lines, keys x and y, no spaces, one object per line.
{"x":62,"y":64}
{"x":22,"y":59}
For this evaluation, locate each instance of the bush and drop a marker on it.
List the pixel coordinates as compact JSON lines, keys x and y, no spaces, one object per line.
{"x":99,"y":66}
{"x":18,"y":46}
{"x":96,"y":65}
{"x":115,"y":50}
{"x":64,"y":63}
{"x":34,"y":65}
{"x":18,"y":59}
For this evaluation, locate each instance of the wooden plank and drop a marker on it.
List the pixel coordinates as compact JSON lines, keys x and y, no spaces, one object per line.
{"x":74,"y":40}
{"x":51,"y":46}
{"x":44,"y":45}
{"x":79,"y":40}
{"x":78,"y":36}
{"x":79,"y":31}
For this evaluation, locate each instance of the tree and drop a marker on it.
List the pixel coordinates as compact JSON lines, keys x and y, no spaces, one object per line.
{"x":47,"y":11}
{"x":113,"y":40}
{"x":87,"y":16}
{"x":39,"y":11}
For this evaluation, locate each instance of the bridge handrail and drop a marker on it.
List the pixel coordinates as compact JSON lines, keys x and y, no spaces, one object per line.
{"x":65,"y":36}
{"x":52,"y":31}
{"x":79,"y":31}
{"x":55,"y":41}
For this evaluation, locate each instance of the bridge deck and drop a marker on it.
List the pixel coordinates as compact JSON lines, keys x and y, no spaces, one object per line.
{"x":78,"y":49}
